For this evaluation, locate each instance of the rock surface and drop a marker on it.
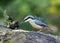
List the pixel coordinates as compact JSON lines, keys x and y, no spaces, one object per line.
{"x":23,"y":36}
{"x":18,"y":36}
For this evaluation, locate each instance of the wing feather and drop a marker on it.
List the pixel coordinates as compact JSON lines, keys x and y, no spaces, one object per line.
{"x":39,"y":22}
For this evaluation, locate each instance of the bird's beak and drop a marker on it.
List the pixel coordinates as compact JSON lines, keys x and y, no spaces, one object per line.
{"x":22,"y":22}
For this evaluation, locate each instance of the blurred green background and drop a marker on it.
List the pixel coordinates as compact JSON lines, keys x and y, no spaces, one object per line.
{"x":48,"y":10}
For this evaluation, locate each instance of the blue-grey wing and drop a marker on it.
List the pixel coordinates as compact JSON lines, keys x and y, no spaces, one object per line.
{"x":39,"y":22}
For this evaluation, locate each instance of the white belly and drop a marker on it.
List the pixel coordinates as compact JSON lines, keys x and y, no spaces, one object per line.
{"x":35,"y":26}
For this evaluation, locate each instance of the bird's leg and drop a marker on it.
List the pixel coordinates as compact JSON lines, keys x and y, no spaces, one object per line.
{"x":40,"y":30}
{"x":43,"y":30}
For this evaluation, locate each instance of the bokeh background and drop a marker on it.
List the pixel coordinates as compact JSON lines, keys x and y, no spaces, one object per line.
{"x":48,"y":10}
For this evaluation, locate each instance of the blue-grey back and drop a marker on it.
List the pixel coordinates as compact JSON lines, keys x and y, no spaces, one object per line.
{"x":40,"y":22}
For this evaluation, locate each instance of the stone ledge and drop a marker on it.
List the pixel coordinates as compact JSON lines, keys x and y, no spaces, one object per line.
{"x":23,"y":36}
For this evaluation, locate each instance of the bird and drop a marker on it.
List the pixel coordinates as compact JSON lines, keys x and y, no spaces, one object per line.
{"x":37,"y":23}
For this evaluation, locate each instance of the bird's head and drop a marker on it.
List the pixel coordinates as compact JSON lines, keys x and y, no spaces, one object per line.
{"x":28,"y":18}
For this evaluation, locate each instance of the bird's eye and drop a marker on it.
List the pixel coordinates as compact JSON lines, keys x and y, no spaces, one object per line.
{"x":25,"y":19}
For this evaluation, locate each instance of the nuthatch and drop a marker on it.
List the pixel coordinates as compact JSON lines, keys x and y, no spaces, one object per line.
{"x":37,"y":23}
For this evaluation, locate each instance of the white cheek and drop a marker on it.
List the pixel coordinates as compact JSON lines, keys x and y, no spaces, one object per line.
{"x":26,"y":21}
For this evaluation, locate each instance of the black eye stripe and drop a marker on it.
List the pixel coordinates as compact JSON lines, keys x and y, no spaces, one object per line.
{"x":28,"y":18}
